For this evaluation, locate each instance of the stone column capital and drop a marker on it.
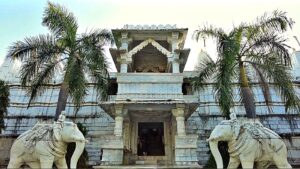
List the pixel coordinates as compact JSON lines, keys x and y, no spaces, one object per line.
{"x":174,"y":40}
{"x":120,"y":111}
{"x":178,"y":111}
{"x":124,"y":41}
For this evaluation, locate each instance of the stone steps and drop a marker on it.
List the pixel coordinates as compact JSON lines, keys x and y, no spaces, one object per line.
{"x":147,"y":167}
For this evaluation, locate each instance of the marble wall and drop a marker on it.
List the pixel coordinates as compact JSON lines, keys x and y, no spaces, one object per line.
{"x":100,"y":125}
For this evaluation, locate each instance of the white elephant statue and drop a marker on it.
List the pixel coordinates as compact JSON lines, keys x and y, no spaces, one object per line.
{"x":248,"y":142}
{"x":46,"y":144}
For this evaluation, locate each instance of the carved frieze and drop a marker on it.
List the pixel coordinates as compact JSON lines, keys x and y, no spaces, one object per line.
{"x":145,"y":43}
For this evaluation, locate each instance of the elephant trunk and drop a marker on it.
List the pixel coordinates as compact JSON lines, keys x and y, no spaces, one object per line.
{"x":77,"y":153}
{"x":216,"y":153}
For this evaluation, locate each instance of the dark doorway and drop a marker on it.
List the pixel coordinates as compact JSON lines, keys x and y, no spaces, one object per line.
{"x":150,"y":139}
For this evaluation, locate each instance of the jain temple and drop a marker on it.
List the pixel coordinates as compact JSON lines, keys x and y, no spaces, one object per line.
{"x":150,"y":101}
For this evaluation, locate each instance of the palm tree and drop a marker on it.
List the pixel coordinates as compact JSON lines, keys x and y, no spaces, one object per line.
{"x":4,"y":102}
{"x":80,"y":55}
{"x":258,"y":47}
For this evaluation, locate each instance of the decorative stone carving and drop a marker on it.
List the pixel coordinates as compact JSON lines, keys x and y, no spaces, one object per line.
{"x":120,"y":112}
{"x":179,"y":114}
{"x":46,"y":144}
{"x":150,"y":68}
{"x":145,"y":43}
{"x":248,"y":142}
{"x":148,"y":27}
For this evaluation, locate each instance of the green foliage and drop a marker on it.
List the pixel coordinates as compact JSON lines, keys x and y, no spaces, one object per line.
{"x":79,"y":55}
{"x":117,"y":39}
{"x":211,"y":163}
{"x":83,"y":159}
{"x":4,"y":102}
{"x":82,"y":128}
{"x":223,"y":148}
{"x":258,"y":47}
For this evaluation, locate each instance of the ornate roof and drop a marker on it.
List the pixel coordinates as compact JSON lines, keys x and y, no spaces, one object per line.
{"x":150,"y":27}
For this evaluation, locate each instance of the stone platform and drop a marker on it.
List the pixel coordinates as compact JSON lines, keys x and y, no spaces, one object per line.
{"x":147,"y":167}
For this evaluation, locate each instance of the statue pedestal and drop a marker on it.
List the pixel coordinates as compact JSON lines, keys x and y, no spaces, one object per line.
{"x":185,"y":150}
{"x":112,"y":151}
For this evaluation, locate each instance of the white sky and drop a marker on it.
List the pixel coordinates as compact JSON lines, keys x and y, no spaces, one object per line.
{"x":22,"y":18}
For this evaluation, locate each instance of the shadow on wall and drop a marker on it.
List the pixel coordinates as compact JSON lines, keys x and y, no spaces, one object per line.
{"x":6,"y":142}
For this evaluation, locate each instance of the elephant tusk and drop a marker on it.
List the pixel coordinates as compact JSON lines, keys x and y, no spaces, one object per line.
{"x":209,"y":139}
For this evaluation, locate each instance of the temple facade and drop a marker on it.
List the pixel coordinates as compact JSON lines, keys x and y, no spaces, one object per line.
{"x":149,"y":106}
{"x":152,"y":115}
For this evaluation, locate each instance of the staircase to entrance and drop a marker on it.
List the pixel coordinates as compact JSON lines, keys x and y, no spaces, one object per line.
{"x":148,"y":167}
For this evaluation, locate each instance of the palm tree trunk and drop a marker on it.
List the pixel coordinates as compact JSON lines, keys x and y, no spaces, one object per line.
{"x":247,"y":95}
{"x":62,"y":99}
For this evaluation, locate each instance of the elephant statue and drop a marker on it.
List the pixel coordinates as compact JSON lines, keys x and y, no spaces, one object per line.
{"x":248,"y":142}
{"x":46,"y":144}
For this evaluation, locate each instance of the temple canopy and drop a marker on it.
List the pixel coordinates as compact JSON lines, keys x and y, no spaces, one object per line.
{"x":150,"y":48}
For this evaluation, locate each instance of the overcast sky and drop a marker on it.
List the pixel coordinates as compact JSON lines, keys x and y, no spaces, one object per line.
{"x":22,"y":18}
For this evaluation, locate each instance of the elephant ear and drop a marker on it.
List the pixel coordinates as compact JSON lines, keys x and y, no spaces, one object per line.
{"x":236,"y":128}
{"x":40,"y":132}
{"x":57,"y":127}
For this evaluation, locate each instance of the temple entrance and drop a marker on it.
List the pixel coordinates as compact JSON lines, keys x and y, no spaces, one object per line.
{"x":150,"y":139}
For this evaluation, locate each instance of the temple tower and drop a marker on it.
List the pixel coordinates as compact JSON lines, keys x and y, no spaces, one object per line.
{"x":150,"y":107}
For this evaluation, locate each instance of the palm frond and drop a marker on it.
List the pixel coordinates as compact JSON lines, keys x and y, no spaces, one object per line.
{"x":97,"y":68}
{"x":34,"y":47}
{"x":35,"y":52}
{"x":4,"y":97}
{"x":204,"y":70}
{"x":4,"y":103}
{"x":268,"y":43}
{"x":44,"y":76}
{"x":282,"y":79}
{"x":29,"y":70}
{"x":277,"y":21}
{"x":75,"y":76}
{"x":224,"y":79}
{"x":102,"y":83}
{"x":208,"y":32}
{"x":280,"y":75}
{"x":258,"y":44}
{"x":60,"y":21}
{"x":98,"y":37}
{"x":263,"y":83}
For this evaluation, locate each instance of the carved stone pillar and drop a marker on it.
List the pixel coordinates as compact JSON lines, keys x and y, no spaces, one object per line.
{"x":175,"y":40}
{"x":185,"y":145}
{"x":113,"y":146}
{"x":120,"y":112}
{"x":179,"y":115}
{"x":124,"y":67}
{"x":175,"y":66}
{"x":124,"y":41}
{"x":124,"y":60}
{"x":175,"y":57}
